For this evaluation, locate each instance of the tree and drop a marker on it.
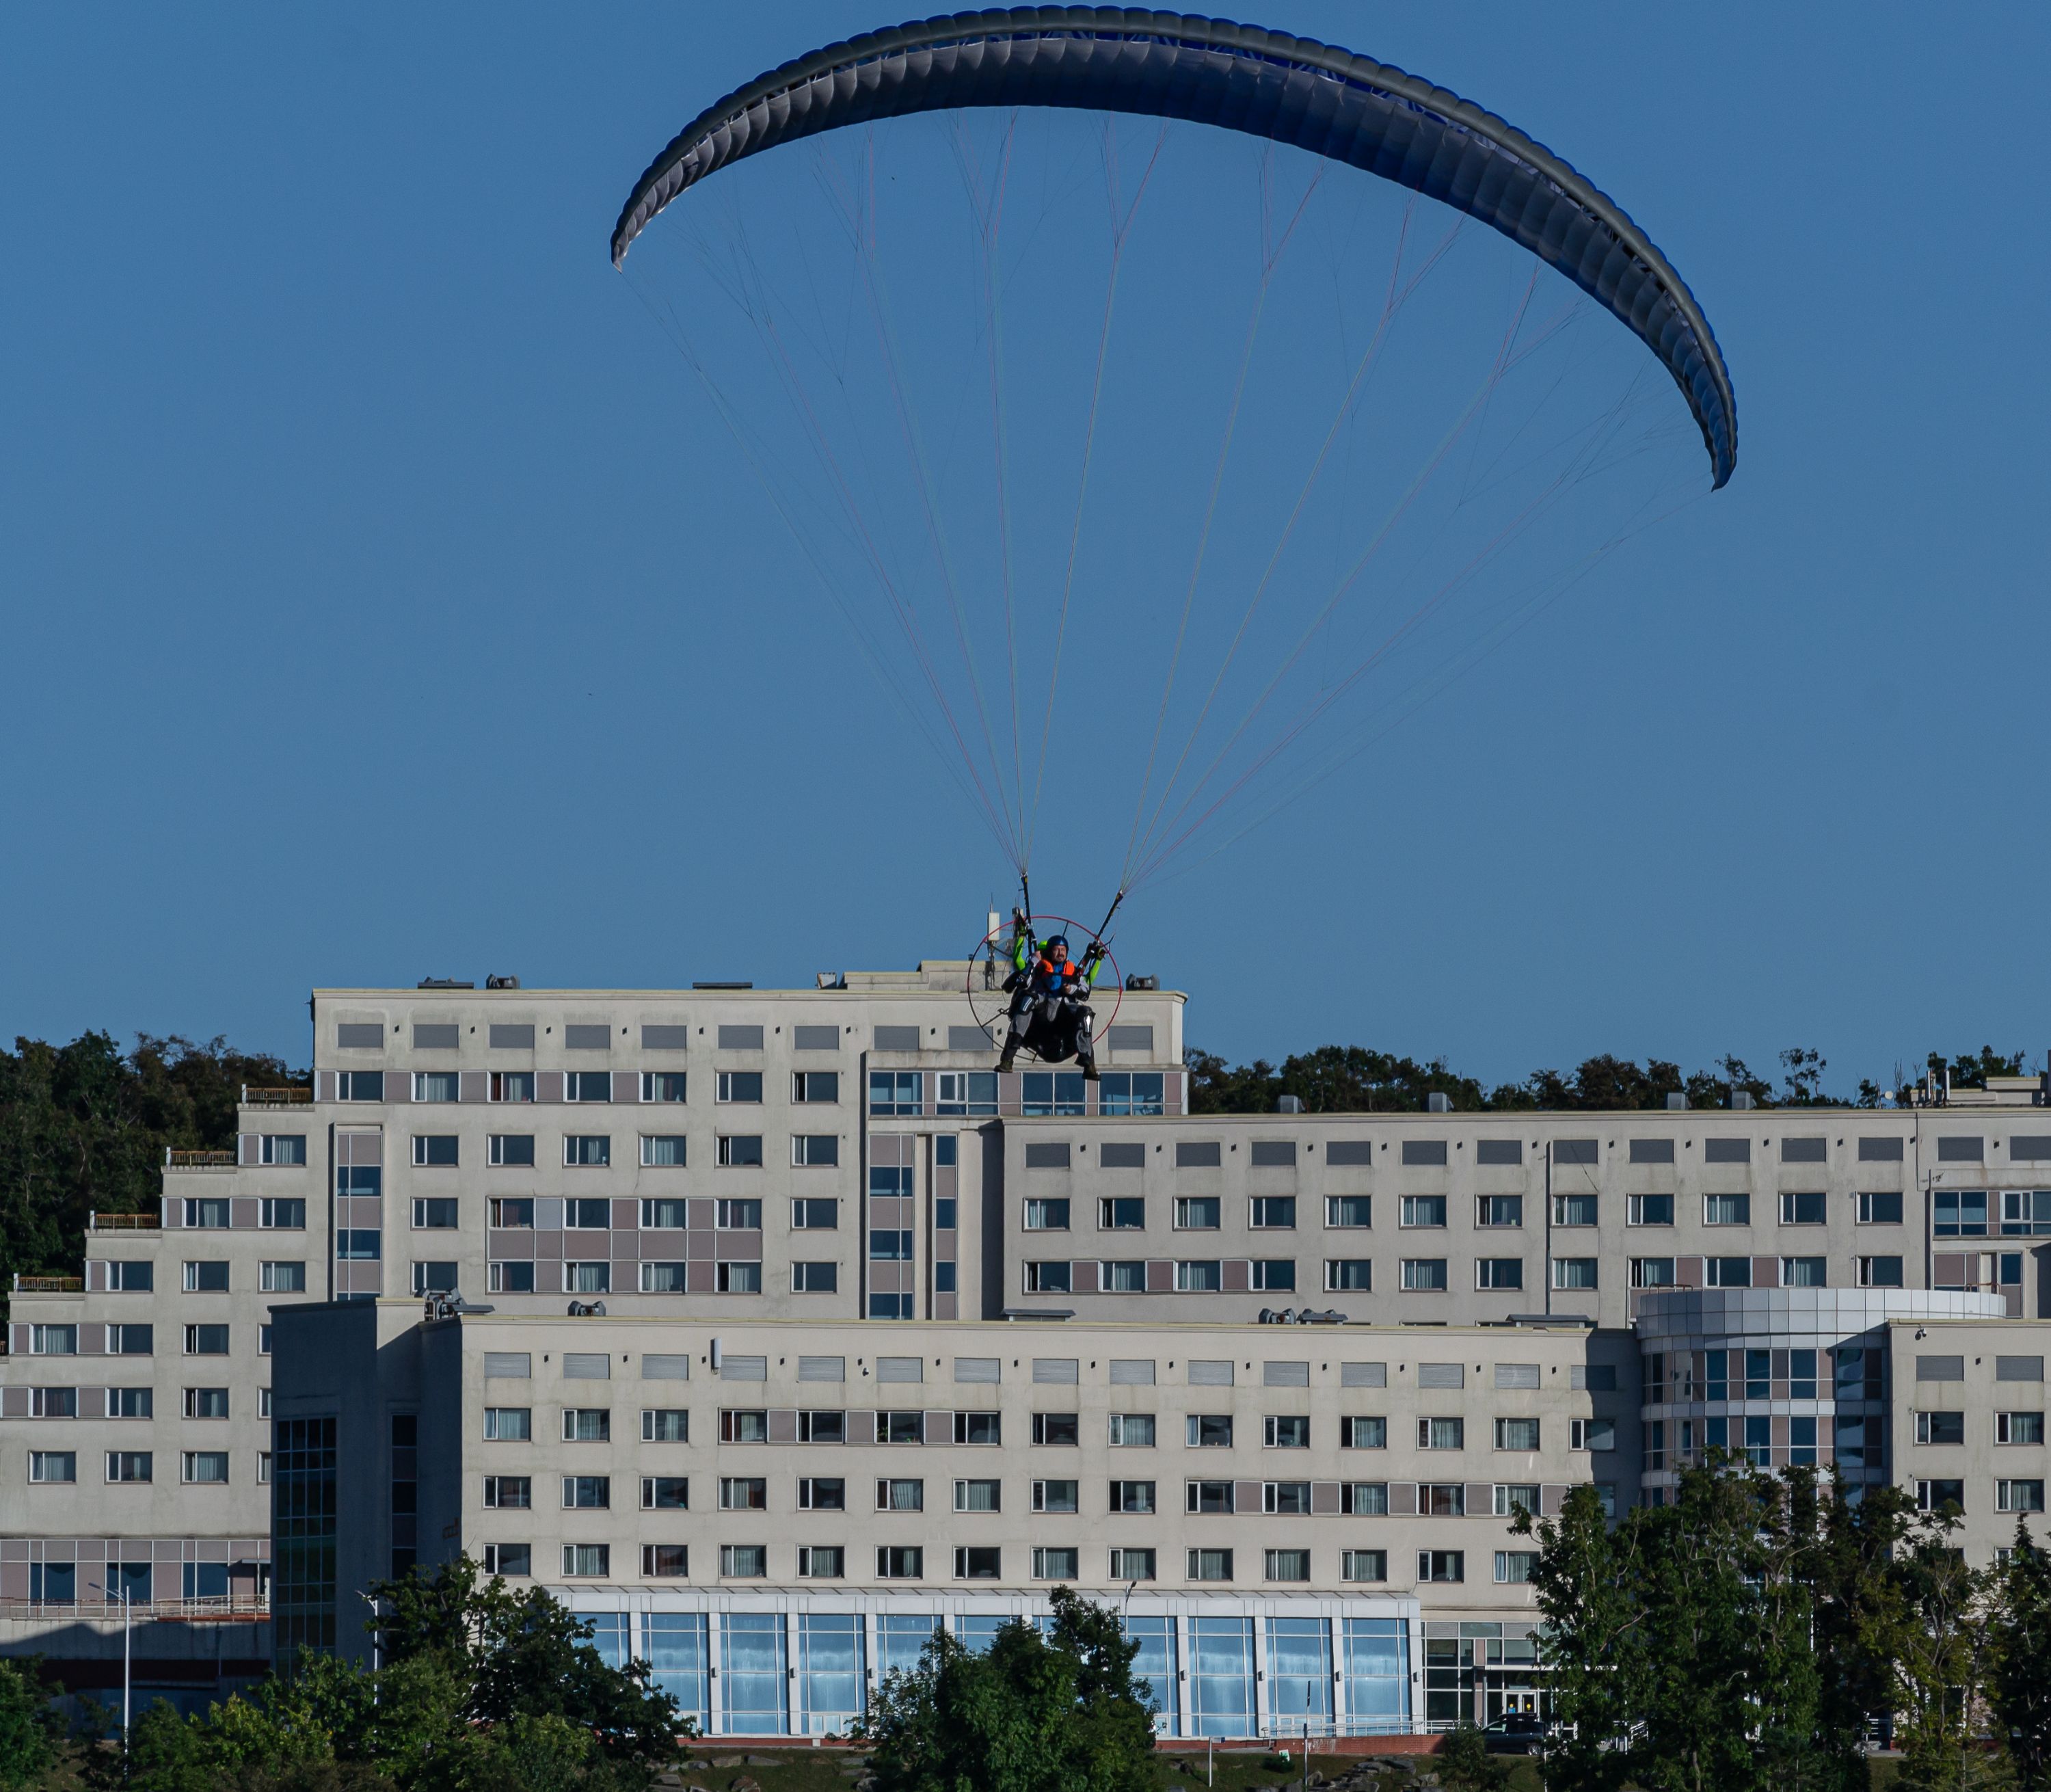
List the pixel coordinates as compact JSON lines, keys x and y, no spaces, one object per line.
{"x":1592,"y":1644}
{"x":1795,"y":1747}
{"x":481,"y":1691}
{"x":28,"y":1729}
{"x":1970,"y":1070}
{"x":1700,"y":1555}
{"x":1354,"y":1080}
{"x":504,"y":1655}
{"x":1601,"y":1082}
{"x":1701,"y":1644}
{"x":1937,"y":1643}
{"x":1707,"y":1091}
{"x":1802,"y":1072}
{"x":2019,"y":1685}
{"x":1331,"y":1079}
{"x":1857,"y":1611}
{"x":534,"y":1754}
{"x":1061,"y":1713}
{"x":1463,"y":1762}
{"x":316,"y":1732}
{"x":84,"y":1128}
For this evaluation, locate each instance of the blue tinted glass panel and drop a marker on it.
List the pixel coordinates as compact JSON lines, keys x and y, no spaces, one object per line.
{"x":1299,"y":1671}
{"x":1377,"y":1672}
{"x":611,"y":1635}
{"x":1154,"y":1665}
{"x":977,"y":1630}
{"x":752,"y":1668}
{"x":1221,"y":1676}
{"x":677,"y":1652}
{"x":900,"y":1639}
{"x":829,"y":1670}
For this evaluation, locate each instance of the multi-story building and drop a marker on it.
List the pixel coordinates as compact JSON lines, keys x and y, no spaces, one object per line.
{"x":1290,"y":1518}
{"x":837,"y":1176}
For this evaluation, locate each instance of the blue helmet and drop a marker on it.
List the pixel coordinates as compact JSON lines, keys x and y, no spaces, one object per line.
{"x":1060,"y":939}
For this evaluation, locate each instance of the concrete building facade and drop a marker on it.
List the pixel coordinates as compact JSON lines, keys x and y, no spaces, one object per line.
{"x":805,"y":1174}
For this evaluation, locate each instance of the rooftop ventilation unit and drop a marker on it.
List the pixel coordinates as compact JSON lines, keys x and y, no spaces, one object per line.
{"x":1675,"y":1101}
{"x":1435,"y":1103}
{"x":746,"y":985}
{"x":445,"y":983}
{"x":1136,"y":982}
{"x":1289,"y":1104}
{"x":502,"y":982}
{"x":1742,"y":1097}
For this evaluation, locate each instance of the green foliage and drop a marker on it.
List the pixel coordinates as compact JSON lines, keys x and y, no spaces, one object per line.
{"x":1939,"y":1632}
{"x":1850,"y":1548}
{"x":28,"y":1730}
{"x":1463,"y":1762}
{"x":1605,"y":1082}
{"x":1732,"y":1679}
{"x":1802,"y":1073}
{"x":2019,"y":1687}
{"x":507,"y":1655}
{"x":481,"y":1691}
{"x":1707,"y":1643}
{"x":534,"y":1755}
{"x":84,"y":1128}
{"x":1972,"y":1070}
{"x":1061,"y":1713}
{"x":1588,"y":1584}
{"x":317,"y":1732}
{"x":1332,"y":1080}
{"x":1352,"y":1080}
{"x":1741,"y":1637}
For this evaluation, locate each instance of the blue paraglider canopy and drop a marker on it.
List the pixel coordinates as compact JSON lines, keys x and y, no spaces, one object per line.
{"x":1316,"y":97}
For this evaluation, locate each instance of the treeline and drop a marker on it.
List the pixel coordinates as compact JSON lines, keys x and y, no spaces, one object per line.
{"x":83,"y":1127}
{"x":1756,"y":1632}
{"x":479,"y":1689}
{"x":1352,"y":1080}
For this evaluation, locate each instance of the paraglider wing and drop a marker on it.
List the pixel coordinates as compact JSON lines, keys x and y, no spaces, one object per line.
{"x":1345,"y":107}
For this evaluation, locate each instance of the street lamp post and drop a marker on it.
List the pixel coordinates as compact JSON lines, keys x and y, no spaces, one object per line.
{"x":376,"y":1639}
{"x":127,"y":1614}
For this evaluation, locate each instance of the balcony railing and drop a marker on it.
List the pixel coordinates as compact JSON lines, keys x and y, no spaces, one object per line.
{"x":198,"y":1160}
{"x":254,"y":1097}
{"x":50,"y":1284}
{"x":235,"y":1608}
{"x":126,"y":1222}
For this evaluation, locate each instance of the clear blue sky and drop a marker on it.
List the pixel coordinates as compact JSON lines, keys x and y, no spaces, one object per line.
{"x":374,"y":608}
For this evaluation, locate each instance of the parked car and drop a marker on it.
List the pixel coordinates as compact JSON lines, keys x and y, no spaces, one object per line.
{"x":1517,"y":1732}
